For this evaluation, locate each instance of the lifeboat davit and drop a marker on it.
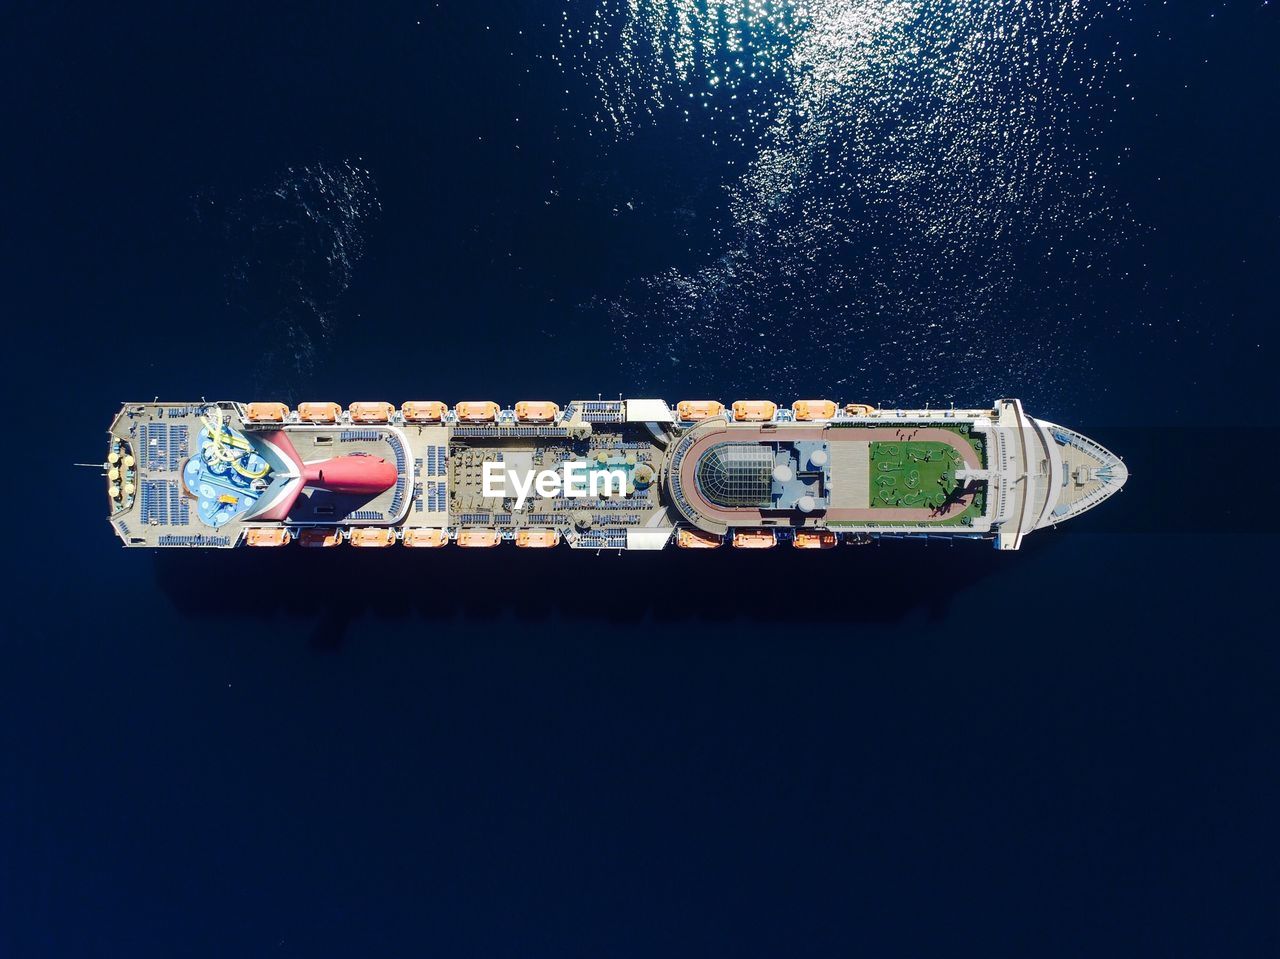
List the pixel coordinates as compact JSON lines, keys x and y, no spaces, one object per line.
{"x":536,"y":411}
{"x":425,"y":538}
{"x":319,"y":412}
{"x":266,"y":413}
{"x":754,"y":411}
{"x":372,"y":536}
{"x":805,"y":410}
{"x":696,"y":539}
{"x":754,"y":539}
{"x":690,"y":411}
{"x":537,"y":538}
{"x":814,"y":539}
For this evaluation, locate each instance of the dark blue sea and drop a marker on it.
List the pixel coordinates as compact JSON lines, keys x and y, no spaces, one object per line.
{"x":893,"y":751}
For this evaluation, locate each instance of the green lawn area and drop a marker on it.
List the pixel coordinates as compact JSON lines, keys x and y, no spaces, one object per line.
{"x":913,"y":475}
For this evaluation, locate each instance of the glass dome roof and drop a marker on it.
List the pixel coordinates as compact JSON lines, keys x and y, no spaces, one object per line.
{"x":736,"y":474}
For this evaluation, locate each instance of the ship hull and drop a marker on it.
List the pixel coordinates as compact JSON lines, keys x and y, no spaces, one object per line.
{"x":623,"y":474}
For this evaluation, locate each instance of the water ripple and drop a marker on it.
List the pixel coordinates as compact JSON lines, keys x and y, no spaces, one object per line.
{"x":922,"y":216}
{"x":291,"y":247}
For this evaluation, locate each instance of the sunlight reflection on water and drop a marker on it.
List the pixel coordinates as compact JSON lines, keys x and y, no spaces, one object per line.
{"x":922,"y":215}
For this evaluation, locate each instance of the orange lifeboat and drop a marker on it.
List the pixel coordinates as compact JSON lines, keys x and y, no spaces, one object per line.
{"x":373,"y":536}
{"x":425,"y":538}
{"x":266,"y":536}
{"x":859,"y":409}
{"x":754,"y":539}
{"x":266,"y":412}
{"x":754,"y":411}
{"x":320,"y":537}
{"x":479,"y":537}
{"x":814,"y":539}
{"x":477,"y":411}
{"x":422,"y":411}
{"x":537,"y":538}
{"x":370,"y":412}
{"x":319,"y":412}
{"x":536,"y":411}
{"x":697,"y":539}
{"x":813,"y":409}
{"x":690,"y":411}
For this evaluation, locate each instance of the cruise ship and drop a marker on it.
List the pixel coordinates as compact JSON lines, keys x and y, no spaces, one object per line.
{"x":634,"y":474}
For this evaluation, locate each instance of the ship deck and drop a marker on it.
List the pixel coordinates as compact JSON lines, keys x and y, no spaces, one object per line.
{"x":624,"y":447}
{"x":851,"y":501}
{"x":854,"y":473}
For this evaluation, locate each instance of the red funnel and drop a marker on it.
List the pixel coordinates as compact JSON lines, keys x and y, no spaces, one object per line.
{"x":356,"y":473}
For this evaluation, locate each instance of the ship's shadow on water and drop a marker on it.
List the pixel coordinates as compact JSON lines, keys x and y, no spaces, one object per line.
{"x":323,"y":592}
